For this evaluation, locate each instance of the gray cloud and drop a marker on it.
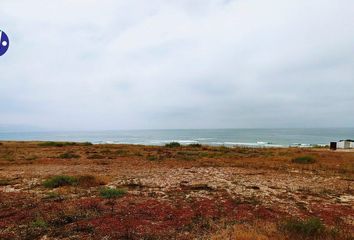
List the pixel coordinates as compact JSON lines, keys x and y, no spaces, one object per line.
{"x":177,"y":64}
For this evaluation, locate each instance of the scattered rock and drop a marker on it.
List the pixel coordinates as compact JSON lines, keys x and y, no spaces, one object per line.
{"x":346,"y":198}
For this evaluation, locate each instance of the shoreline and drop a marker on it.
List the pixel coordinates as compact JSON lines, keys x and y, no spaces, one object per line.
{"x":308,"y":137}
{"x":185,"y":143}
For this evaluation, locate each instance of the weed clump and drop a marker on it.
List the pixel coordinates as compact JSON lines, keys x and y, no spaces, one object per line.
{"x":112,"y":194}
{"x":187,"y":155}
{"x":310,"y":228}
{"x":31,"y":158}
{"x":122,"y":153}
{"x":96,"y":156}
{"x":53,"y":196}
{"x":59,"y":181}
{"x":152,"y":158}
{"x":39,"y":223}
{"x":63,"y":144}
{"x":173,"y":144}
{"x":56,"y":144}
{"x":4,"y":182}
{"x":82,"y":181}
{"x":304,"y":160}
{"x":89,"y":181}
{"x":68,"y":155}
{"x":195,"y":145}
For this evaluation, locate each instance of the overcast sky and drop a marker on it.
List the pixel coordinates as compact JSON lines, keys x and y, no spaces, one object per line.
{"x":118,"y":64}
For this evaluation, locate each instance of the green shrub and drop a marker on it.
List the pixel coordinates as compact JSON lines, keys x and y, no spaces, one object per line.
{"x":173,"y":144}
{"x":187,"y":155}
{"x":52,"y":196}
{"x":10,"y":157}
{"x":68,"y":155}
{"x":122,"y":153}
{"x":31,"y":158}
{"x":4,"y":182}
{"x":96,"y":156}
{"x":57,"y":144}
{"x":151,"y":158}
{"x":63,"y":144}
{"x":39,"y":223}
{"x":59,"y":181}
{"x":196,"y":145}
{"x":320,"y":146}
{"x":225,"y":149}
{"x":304,"y":160}
{"x":309,"y":228}
{"x":112,"y":193}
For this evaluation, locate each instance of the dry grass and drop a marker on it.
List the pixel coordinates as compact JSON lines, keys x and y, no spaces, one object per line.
{"x":91,"y":181}
{"x":33,"y":153}
{"x":256,"y":231}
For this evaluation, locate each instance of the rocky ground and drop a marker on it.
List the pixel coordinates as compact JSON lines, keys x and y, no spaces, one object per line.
{"x":180,"y":192}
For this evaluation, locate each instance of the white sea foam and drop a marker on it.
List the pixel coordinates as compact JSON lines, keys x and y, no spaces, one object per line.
{"x":229,"y":144}
{"x":251,"y":144}
{"x":186,"y":141}
{"x":183,"y":142}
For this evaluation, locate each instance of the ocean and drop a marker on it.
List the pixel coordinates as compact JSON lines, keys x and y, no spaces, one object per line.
{"x":227,"y":137}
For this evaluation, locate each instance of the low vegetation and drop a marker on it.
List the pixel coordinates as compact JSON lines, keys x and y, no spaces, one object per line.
{"x":112,"y":194}
{"x":172,"y":144}
{"x":187,"y":155}
{"x":4,"y":182}
{"x":89,"y":181}
{"x":39,"y":223}
{"x":52,"y":196}
{"x":84,"y":181}
{"x":63,"y":144}
{"x":60,"y":181}
{"x":304,"y":160}
{"x":195,"y":145}
{"x":96,"y":156}
{"x":152,"y":158}
{"x":56,"y":144}
{"x":311,"y":228}
{"x":68,"y":155}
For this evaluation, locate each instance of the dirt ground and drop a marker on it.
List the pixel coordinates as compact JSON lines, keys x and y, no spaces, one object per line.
{"x":180,"y":192}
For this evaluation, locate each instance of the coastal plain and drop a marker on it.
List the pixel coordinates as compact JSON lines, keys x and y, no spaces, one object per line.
{"x":53,"y":190}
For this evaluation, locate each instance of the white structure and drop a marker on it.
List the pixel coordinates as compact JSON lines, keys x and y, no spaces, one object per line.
{"x":345,"y":144}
